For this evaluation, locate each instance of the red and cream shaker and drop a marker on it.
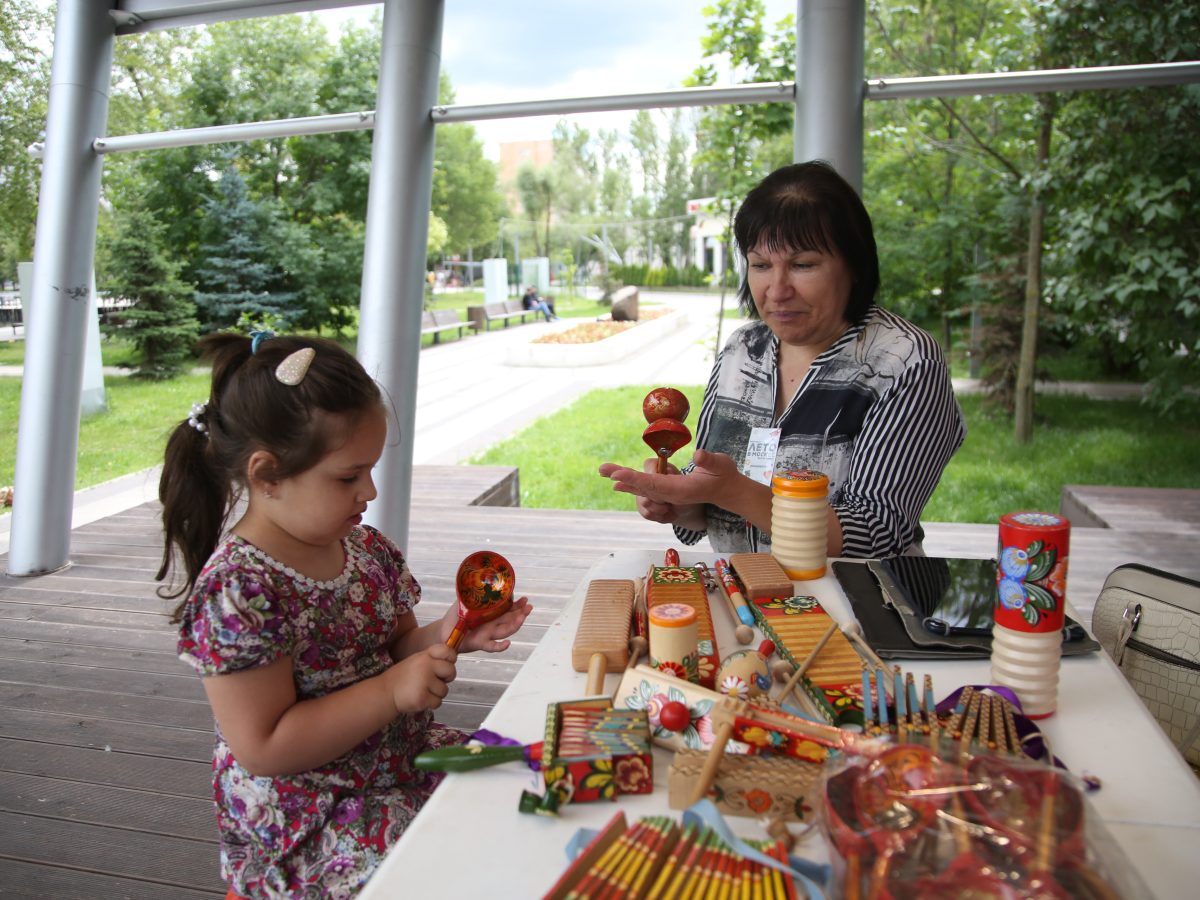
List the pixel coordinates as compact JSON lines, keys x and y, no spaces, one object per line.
{"x":1031,"y":595}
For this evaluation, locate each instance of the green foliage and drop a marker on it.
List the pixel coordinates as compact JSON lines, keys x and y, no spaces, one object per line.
{"x":645,"y":275}
{"x":1126,"y":265}
{"x":161,"y":324}
{"x":236,"y":275}
{"x":24,"y":86}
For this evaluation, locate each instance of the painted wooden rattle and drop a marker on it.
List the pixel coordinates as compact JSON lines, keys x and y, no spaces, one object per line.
{"x":665,"y":409}
{"x":484,"y":585}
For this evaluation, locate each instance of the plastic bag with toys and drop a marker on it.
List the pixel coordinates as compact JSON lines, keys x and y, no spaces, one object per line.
{"x":908,"y":823}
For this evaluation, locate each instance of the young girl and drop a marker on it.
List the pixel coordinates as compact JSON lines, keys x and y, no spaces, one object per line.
{"x":300,"y":620}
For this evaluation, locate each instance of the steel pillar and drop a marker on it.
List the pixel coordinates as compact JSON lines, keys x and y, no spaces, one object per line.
{"x":830,"y":87}
{"x":55,"y":338}
{"x":389,"y":332}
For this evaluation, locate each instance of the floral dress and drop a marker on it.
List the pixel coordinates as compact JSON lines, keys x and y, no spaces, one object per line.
{"x":322,"y":832}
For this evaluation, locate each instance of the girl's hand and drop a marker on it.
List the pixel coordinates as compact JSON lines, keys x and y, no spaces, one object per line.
{"x":421,"y":680}
{"x":490,"y":635}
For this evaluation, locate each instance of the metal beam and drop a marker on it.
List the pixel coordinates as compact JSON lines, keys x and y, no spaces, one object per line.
{"x":393,"y":278}
{"x":56,"y":323}
{"x":1103,"y":77}
{"x":136,"y":16}
{"x":829,"y":85}
{"x":1081,"y":79}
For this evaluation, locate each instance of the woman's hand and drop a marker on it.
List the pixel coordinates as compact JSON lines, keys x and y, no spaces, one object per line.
{"x":421,"y":680}
{"x":680,"y":499}
{"x":490,"y":636}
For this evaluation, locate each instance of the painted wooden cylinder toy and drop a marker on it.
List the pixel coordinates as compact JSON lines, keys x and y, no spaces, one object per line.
{"x":799,"y":523}
{"x":673,"y":640}
{"x":1031,"y":588}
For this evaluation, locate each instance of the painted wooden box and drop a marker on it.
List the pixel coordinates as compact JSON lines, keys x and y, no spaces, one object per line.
{"x":595,"y":751}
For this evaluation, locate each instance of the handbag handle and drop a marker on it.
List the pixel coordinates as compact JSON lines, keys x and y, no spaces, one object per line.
{"x":1129,"y":623}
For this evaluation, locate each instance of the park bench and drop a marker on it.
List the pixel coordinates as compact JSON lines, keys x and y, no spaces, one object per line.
{"x":482,"y":317}
{"x":438,"y":320}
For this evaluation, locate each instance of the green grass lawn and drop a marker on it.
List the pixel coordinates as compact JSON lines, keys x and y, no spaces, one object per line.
{"x":1076,"y":441}
{"x":129,"y":437}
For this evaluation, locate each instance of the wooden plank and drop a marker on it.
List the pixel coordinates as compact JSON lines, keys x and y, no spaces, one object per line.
{"x":23,"y":880}
{"x":170,"y":862}
{"x":1133,"y":508}
{"x":90,"y":732}
{"x":98,"y":804}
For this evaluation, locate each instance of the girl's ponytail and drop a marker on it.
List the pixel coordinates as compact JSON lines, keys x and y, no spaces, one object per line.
{"x":195,"y":497}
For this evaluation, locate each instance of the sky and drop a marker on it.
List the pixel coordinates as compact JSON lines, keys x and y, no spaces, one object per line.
{"x":502,"y":51}
{"x":514,"y":50}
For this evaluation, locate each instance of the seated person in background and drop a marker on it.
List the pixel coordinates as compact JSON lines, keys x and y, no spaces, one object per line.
{"x":532,"y":301}
{"x":857,"y":392}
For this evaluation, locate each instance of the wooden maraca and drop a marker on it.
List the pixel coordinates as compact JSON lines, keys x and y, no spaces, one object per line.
{"x":665,"y":409}
{"x":484,"y":585}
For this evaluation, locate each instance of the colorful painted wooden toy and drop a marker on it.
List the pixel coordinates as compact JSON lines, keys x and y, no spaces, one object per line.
{"x":684,"y":584}
{"x":484,"y":585}
{"x":833,"y":678}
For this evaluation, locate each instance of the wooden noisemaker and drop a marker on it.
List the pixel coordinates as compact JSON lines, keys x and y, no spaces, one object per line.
{"x":665,"y":409}
{"x":602,"y":637}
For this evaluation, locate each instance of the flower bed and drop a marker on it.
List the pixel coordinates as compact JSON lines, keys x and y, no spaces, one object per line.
{"x":590,"y":332}
{"x":596,"y":343}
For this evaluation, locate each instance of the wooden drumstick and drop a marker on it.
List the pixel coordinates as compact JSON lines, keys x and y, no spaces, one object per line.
{"x":853,"y":631}
{"x":709,"y":772}
{"x":743,"y":632}
{"x":791,"y":683}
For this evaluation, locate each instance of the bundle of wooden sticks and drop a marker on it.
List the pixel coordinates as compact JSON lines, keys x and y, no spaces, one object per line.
{"x":658,"y":860}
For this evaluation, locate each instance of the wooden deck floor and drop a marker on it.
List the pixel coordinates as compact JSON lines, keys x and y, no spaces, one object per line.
{"x":105,"y":737}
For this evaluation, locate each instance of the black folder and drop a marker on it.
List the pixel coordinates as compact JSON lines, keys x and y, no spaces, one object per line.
{"x":884,"y":630}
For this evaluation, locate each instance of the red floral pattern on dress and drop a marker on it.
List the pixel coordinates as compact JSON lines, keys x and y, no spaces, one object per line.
{"x":319,"y":833}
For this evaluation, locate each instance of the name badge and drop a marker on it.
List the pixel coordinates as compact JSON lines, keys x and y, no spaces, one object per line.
{"x":759,"y":463}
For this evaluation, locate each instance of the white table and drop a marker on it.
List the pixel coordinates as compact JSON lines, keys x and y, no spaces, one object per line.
{"x":470,"y":841}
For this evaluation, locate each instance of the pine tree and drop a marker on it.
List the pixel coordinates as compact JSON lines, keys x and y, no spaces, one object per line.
{"x":237,"y":276}
{"x":162,"y":321}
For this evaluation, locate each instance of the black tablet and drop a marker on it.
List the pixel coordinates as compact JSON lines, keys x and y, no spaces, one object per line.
{"x":951,"y":596}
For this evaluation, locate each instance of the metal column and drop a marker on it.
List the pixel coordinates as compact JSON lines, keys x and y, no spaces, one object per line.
{"x":830,"y":87}
{"x":389,"y":333}
{"x":68,"y":203}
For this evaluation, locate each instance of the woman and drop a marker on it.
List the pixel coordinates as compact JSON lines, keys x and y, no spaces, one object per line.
{"x":856,"y":392}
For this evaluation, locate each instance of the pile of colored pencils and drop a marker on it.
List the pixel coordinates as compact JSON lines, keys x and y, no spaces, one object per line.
{"x":657,"y":860}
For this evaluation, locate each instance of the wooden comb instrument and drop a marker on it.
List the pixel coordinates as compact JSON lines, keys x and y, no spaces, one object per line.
{"x":602,"y":636}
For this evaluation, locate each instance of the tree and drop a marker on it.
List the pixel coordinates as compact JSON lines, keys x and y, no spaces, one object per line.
{"x":535,"y":187}
{"x":740,"y":144}
{"x":162,"y":323}
{"x":235,"y":276}
{"x":1126,"y":264}
{"x":24,"y":87}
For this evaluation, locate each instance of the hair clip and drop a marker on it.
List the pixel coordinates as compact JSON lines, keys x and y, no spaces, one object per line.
{"x":199,"y":409}
{"x":257,"y":337}
{"x":293,"y":369}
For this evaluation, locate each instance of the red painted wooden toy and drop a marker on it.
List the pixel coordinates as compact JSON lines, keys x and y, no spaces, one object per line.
{"x":484,"y":585}
{"x":665,"y":409}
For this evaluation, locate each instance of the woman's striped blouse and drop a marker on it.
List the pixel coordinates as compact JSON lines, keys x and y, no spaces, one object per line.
{"x":876,"y":413}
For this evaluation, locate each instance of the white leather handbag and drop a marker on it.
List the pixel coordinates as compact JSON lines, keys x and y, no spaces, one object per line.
{"x":1149,"y":623}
